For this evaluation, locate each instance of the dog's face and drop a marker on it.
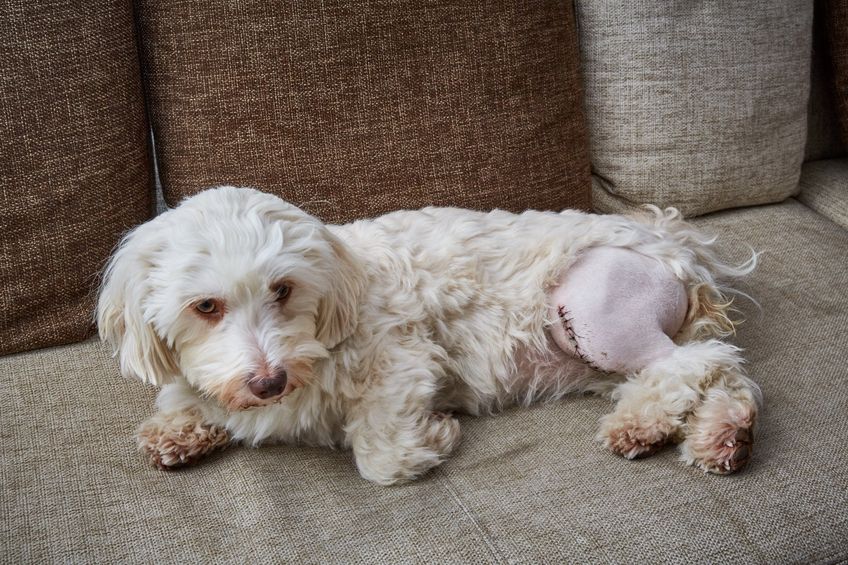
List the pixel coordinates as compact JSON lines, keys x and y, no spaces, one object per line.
{"x":235,"y":290}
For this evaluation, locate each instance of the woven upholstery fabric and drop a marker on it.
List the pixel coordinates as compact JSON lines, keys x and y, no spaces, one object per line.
{"x":355,"y":108}
{"x":74,"y":168}
{"x":824,"y":188}
{"x":836,"y":24}
{"x":698,"y":104}
{"x":528,"y":485}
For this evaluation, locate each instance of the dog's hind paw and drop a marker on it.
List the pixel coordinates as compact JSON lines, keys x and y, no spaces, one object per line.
{"x":635,"y":435}
{"x":720,"y":437}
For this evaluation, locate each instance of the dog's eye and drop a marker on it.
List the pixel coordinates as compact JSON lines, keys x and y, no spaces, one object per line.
{"x":282,"y":291}
{"x":206,"y":307}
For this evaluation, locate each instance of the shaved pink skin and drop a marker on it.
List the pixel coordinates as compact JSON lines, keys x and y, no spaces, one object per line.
{"x":618,"y":310}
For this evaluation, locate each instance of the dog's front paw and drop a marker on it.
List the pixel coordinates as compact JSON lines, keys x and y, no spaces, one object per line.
{"x":720,"y":437}
{"x":395,"y":458}
{"x":173,"y":440}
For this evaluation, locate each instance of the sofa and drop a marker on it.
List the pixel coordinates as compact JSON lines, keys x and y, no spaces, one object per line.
{"x":734,"y":112}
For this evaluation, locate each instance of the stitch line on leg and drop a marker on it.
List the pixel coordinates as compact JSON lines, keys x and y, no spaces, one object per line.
{"x":572,"y":337}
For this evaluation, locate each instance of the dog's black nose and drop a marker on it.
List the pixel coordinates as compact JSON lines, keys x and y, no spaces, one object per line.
{"x":268,"y":387}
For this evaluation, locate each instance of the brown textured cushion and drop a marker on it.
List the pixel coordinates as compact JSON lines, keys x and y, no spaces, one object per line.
{"x":355,"y":108}
{"x":823,"y":135}
{"x":74,"y":157}
{"x":836,"y":23}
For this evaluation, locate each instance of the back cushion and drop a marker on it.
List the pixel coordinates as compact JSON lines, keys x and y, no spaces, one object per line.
{"x":823,"y":131}
{"x":354,"y":108}
{"x":699,"y":104}
{"x":75,"y":167}
{"x":835,"y":16}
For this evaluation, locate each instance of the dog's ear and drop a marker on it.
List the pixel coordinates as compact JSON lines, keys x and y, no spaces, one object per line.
{"x":120,"y":316}
{"x":338,"y":311}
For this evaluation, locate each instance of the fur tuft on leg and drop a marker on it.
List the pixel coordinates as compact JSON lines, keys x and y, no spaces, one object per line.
{"x":709,"y":314}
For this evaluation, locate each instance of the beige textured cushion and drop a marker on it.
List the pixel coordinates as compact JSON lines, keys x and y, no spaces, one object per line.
{"x":699,"y":104}
{"x":824,"y":188}
{"x":352,"y":109}
{"x":74,"y":166}
{"x":527,"y":486}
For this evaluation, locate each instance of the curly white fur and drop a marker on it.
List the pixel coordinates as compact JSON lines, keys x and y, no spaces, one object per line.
{"x":390,"y":325}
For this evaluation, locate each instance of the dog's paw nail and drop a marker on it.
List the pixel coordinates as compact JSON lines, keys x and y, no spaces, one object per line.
{"x":741,"y":455}
{"x":743,"y":435}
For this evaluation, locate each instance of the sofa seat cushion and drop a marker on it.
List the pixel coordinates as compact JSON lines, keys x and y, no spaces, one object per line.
{"x":824,"y":188}
{"x":528,"y":485}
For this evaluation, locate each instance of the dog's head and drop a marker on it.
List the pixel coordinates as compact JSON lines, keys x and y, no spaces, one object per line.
{"x":235,"y":290}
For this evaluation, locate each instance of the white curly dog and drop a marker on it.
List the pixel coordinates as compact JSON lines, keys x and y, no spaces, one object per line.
{"x":262,"y":324}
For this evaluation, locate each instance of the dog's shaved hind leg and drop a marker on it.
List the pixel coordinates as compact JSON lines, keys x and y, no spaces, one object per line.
{"x":618,"y":311}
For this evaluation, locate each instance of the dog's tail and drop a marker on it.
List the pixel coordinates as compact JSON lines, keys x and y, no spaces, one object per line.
{"x":692,"y":255}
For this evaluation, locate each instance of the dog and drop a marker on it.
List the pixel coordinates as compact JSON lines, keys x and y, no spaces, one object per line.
{"x":261,"y":324}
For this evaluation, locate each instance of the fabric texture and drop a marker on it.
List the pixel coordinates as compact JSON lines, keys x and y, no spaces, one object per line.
{"x":824,"y":188}
{"x":528,"y":485}
{"x":75,"y":172}
{"x":836,"y":26}
{"x":352,"y":109}
{"x":695,"y":104}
